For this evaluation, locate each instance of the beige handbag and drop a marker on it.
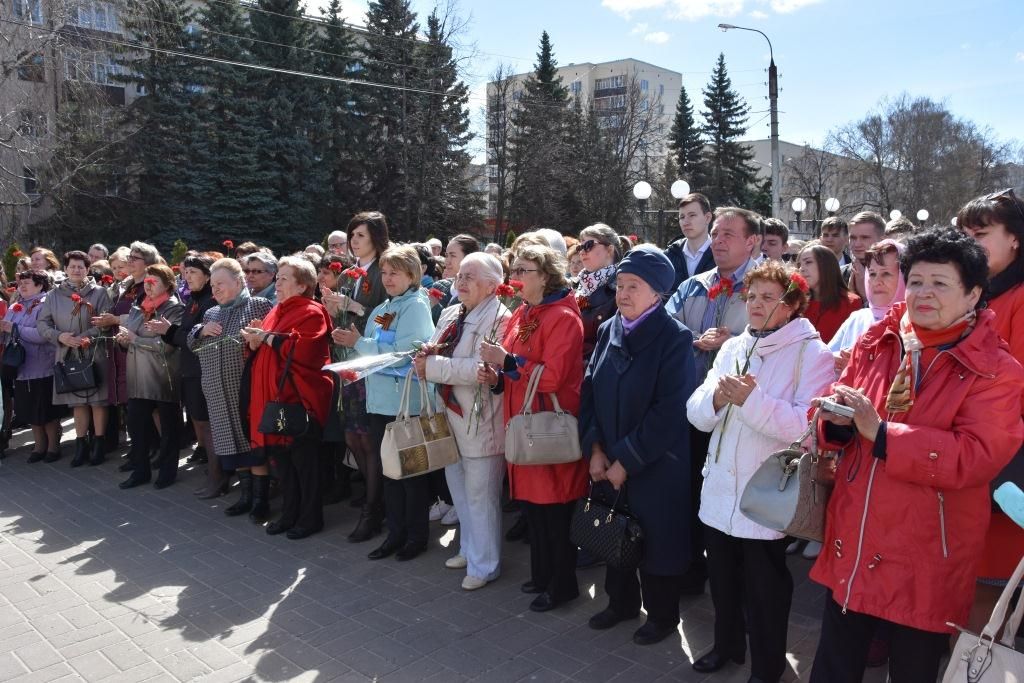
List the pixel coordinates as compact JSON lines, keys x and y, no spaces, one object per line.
{"x":982,"y":658}
{"x":544,"y":438}
{"x":418,"y":444}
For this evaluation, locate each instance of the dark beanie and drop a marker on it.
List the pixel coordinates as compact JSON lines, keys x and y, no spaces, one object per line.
{"x":648,"y":263}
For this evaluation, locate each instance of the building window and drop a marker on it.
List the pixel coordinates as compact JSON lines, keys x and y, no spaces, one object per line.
{"x":610,"y":82}
{"x":31,"y":183}
{"x":644,"y":85}
{"x":30,"y":11}
{"x":92,"y":67}
{"x":33,"y":124}
{"x":576,"y":87}
{"x":100,"y":16}
{"x":661,"y":89}
{"x":32,"y":67}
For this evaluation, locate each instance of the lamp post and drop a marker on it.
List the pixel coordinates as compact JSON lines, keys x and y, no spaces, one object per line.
{"x":895,"y":215}
{"x":773,"y":106}
{"x":799,"y":204}
{"x":953,"y":222}
{"x":922,"y":216}
{"x":642,"y":192}
{"x":831,"y":205}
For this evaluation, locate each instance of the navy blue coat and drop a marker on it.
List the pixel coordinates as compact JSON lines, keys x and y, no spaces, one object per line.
{"x":633,"y":403}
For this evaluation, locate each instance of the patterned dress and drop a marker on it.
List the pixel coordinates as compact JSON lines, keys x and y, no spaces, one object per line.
{"x":222,"y":360}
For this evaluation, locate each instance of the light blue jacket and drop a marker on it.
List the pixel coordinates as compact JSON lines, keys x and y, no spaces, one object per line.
{"x":412,"y":322}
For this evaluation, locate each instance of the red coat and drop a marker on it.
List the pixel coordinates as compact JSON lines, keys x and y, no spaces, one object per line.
{"x":903,"y":535}
{"x":308,"y":324}
{"x":557,"y":342}
{"x":827,"y":321}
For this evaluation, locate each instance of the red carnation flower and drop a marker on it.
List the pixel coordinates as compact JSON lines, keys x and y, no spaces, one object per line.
{"x":17,"y":308}
{"x":796,"y":280}
{"x":516,"y":284}
{"x":86,"y":342}
{"x":505,"y":290}
{"x":18,"y":253}
{"x":634,"y":239}
{"x":76,"y":297}
{"x":107,"y":279}
{"x":12,"y":289}
{"x":435,"y":293}
{"x":349,"y":375}
{"x":229,"y":244}
{"x":175,"y":269}
{"x":583,"y":302}
{"x":335,"y":267}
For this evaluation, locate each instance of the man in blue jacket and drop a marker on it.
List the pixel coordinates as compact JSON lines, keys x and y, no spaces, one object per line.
{"x":691,"y":253}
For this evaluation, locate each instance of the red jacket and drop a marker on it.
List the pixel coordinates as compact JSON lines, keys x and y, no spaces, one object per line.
{"x":557,"y":342}
{"x":827,"y":321}
{"x":903,"y":535}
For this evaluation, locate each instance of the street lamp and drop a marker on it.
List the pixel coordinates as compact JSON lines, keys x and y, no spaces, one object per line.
{"x":799,"y":204}
{"x":773,"y":106}
{"x":680,"y":189}
{"x":953,"y":222}
{"x":895,"y":215}
{"x":922,"y":216}
{"x":831,"y":205}
{"x":642,"y":192}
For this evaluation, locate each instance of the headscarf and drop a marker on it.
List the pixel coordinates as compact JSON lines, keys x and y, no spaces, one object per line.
{"x":880,"y":308}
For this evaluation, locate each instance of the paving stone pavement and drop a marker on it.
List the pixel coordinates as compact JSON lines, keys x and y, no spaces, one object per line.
{"x":143,"y":585}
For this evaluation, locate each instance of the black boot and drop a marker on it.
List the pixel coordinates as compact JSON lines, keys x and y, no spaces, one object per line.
{"x":99,"y":448}
{"x":342,"y":486}
{"x":368,"y":526}
{"x":81,"y":451}
{"x":260,"y":512}
{"x":244,"y":503}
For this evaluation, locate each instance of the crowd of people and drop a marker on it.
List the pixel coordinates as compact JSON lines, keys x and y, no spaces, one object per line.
{"x":687,"y":367}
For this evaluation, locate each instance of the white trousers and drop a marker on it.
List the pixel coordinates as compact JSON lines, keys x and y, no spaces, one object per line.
{"x":475,"y":485}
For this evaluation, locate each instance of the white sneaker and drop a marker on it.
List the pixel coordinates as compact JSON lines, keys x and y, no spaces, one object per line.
{"x":438,"y":510}
{"x":812,"y":550}
{"x":471,"y":583}
{"x":451,"y":517}
{"x":456,"y":562}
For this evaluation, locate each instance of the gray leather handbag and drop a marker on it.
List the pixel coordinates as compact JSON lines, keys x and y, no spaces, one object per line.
{"x":790,"y":490}
{"x":542,"y":438}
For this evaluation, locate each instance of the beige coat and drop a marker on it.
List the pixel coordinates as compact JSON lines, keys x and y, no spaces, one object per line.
{"x":58,"y":316}
{"x":153,"y":363}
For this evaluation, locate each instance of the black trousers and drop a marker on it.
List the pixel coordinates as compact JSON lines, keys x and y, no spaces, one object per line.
{"x":298,"y":474}
{"x":697,"y":572}
{"x":628,"y":589}
{"x":439,"y":487}
{"x":552,"y":554}
{"x":751,"y":589}
{"x":144,"y":437}
{"x":843,"y":648}
{"x":406,"y":501}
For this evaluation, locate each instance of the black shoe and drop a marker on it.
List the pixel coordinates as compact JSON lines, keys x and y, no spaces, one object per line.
{"x":260,"y":512}
{"x":530,"y":588}
{"x":279,"y":527}
{"x":35,"y":456}
{"x":608,"y":618}
{"x":52,"y":456}
{"x":198,"y":457}
{"x":410,"y":550}
{"x":299,"y":532}
{"x":652,"y":632}
{"x":519,"y":530}
{"x":98,"y":452}
{"x":386,"y":549}
{"x":133,"y":481}
{"x":126,"y":467}
{"x":368,"y":526}
{"x":162,"y":483}
{"x":712,"y":662}
{"x":545,"y":603}
{"x":244,"y":502}
{"x":81,"y":451}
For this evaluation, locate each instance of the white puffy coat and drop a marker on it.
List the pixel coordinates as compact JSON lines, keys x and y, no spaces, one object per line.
{"x":488,"y":437}
{"x":772,"y":417}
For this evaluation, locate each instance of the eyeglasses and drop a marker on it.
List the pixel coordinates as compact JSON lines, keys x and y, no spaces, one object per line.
{"x":519,"y":272}
{"x":336,"y":245}
{"x":253,"y":271}
{"x":877,"y":255}
{"x":135,"y":257}
{"x":1010,"y":196}
{"x":465,"y":278}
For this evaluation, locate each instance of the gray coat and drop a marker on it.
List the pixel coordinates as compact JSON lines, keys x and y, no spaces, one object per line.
{"x":153,"y":371}
{"x":58,"y":316}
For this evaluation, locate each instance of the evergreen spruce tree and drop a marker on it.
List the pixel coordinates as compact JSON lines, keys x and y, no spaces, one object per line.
{"x":731,"y":178}
{"x":686,"y":144}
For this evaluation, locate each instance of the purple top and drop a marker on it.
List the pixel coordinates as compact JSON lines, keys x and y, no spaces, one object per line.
{"x":630,"y":325}
{"x":38,"y":352}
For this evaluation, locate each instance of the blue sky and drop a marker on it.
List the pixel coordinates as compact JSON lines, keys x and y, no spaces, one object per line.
{"x":836,"y":58}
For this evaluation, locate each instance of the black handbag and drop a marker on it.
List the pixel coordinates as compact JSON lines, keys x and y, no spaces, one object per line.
{"x":284,"y":419}
{"x":14,"y":352}
{"x":612,"y":535}
{"x":76,"y":374}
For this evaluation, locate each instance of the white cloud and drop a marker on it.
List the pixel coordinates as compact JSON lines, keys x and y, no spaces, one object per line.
{"x":758,"y":14}
{"x":787,"y":6}
{"x":1020,"y":57}
{"x":627,"y":7}
{"x":698,"y":9}
{"x":658,"y":38}
{"x":638,"y":29}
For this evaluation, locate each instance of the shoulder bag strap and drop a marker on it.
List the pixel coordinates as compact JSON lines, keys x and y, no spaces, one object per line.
{"x":531,"y":390}
{"x":403,"y":404}
{"x":425,"y":406}
{"x":286,"y":374}
{"x":1002,"y":605}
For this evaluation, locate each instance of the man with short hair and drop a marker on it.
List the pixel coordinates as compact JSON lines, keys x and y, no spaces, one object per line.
{"x":98,"y":252}
{"x":260,"y":269}
{"x":835,"y":234}
{"x":691,"y":253}
{"x":900,"y":229}
{"x":710,"y":305}
{"x":775,"y":239}
{"x":337,"y":242}
{"x":435,"y":246}
{"x":866,"y":229}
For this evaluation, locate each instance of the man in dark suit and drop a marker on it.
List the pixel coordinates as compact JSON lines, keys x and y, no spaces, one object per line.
{"x":691,"y":254}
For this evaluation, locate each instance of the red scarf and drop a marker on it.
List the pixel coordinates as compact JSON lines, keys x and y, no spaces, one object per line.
{"x":446,"y":347}
{"x":920,"y":345}
{"x":151,"y":303}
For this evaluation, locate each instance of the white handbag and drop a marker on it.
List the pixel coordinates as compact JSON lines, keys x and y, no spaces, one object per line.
{"x":543,"y":438}
{"x":418,"y":444}
{"x":982,"y":658}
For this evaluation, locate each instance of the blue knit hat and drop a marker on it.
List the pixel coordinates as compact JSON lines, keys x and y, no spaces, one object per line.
{"x":651,"y":265}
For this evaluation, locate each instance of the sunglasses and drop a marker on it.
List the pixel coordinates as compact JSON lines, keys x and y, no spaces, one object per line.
{"x":1008,"y":195}
{"x":787,"y":257}
{"x":878,"y":256}
{"x":588,"y":246}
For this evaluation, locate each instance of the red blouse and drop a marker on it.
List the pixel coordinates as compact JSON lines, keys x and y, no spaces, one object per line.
{"x":828,"y":321}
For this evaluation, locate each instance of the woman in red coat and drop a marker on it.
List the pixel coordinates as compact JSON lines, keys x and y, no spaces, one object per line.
{"x":907,"y":519}
{"x":298,"y":327}
{"x":546,"y":330}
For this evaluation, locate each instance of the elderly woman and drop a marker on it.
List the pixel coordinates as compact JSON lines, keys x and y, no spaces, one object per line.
{"x":154,"y":384}
{"x":196,"y":273}
{"x":216,"y":342}
{"x":886,"y":287}
{"x":395,"y":325}
{"x":291,"y":346}
{"x":65,"y":322}
{"x":595,"y":291}
{"x":260,"y":269}
{"x":641,"y":372}
{"x":368,"y":239}
{"x":474,"y":481}
{"x":754,"y":402}
{"x":906,"y":521}
{"x":546,"y":330}
{"x":33,"y":385}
